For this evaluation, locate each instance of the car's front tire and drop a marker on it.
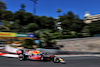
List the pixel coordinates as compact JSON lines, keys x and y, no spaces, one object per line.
{"x":56,"y":60}
{"x":21,"y":57}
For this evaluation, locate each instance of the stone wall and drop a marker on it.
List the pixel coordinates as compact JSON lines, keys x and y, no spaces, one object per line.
{"x":91,"y":44}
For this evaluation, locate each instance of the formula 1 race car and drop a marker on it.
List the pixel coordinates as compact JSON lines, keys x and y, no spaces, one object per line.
{"x":37,"y":55}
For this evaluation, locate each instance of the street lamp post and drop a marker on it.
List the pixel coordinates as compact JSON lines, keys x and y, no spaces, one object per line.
{"x":59,"y":22}
{"x":58,"y":25}
{"x":34,"y":8}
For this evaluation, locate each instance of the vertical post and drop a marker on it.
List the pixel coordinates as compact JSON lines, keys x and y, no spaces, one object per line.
{"x":34,"y":6}
{"x":59,"y":22}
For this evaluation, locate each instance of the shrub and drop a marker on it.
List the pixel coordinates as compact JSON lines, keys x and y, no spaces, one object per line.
{"x":27,"y":43}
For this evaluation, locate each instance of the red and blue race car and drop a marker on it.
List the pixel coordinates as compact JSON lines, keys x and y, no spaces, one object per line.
{"x":37,"y":55}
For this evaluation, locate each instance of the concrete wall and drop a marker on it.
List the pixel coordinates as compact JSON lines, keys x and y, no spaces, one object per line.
{"x":91,"y":44}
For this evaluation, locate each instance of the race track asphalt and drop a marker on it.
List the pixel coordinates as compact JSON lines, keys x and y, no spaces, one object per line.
{"x":83,"y":61}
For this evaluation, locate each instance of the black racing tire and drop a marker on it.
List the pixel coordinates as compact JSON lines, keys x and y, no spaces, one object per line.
{"x":21,"y":57}
{"x":56,"y":60}
{"x":42,"y":58}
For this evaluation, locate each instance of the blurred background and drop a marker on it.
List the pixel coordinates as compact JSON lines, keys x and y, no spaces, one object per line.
{"x":25,"y":28}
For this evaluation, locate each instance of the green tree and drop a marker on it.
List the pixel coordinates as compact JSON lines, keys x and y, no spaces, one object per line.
{"x":38,"y":33}
{"x":28,"y":18}
{"x":5,"y":26}
{"x":77,"y":25}
{"x":86,"y":31}
{"x":32,"y":27}
{"x":27,"y":43}
{"x":1,"y":14}
{"x":16,"y":27}
{"x":70,"y":15}
{"x":2,"y":5}
{"x":47,"y":23}
{"x":4,"y":29}
{"x":71,"y":22}
{"x":7,"y":15}
{"x":66,"y":20}
{"x":19,"y":15}
{"x":22,"y":7}
{"x":12,"y":26}
{"x":94,"y":27}
{"x":24,"y":17}
{"x":47,"y":38}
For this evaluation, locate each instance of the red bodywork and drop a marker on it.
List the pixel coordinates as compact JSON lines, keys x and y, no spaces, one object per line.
{"x":35,"y":57}
{"x":18,"y":52}
{"x":52,"y":56}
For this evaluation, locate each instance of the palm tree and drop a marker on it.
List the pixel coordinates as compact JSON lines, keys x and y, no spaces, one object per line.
{"x":22,"y":7}
{"x":58,"y":10}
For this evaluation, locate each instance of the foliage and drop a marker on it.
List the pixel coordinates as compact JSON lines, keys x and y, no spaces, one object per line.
{"x":94,"y":27}
{"x":71,"y":22}
{"x":45,"y":27}
{"x":86,"y":31}
{"x":2,"y":5}
{"x":5,"y":26}
{"x":24,"y":17}
{"x":38,"y":33}
{"x":47,"y":38}
{"x":27,"y":43}
{"x":73,"y":33}
{"x":46,"y":22}
{"x":12,"y":26}
{"x":22,"y":7}
{"x":32,"y":27}
{"x":7,"y":15}
{"x":26,"y":22}
{"x":1,"y":14}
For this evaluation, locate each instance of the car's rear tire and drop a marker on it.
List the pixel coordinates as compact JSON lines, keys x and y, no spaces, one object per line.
{"x":21,"y":57}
